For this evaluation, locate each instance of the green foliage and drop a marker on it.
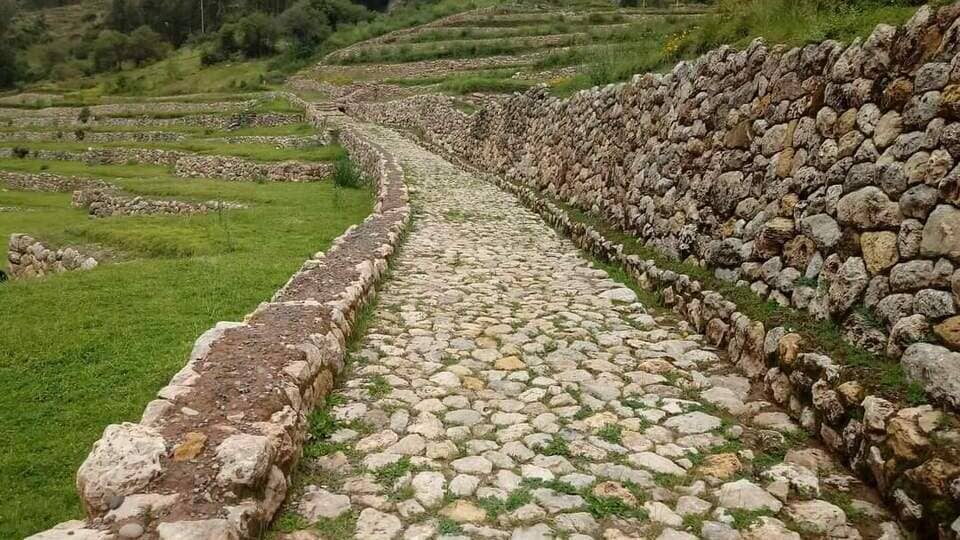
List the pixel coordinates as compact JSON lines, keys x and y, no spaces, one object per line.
{"x":379,"y":387}
{"x":447,"y":526}
{"x":743,"y":519}
{"x":346,"y":174}
{"x":611,"y":433}
{"x":602,"y":507}
{"x":556,"y":447}
{"x":389,"y":474}
{"x":469,"y":84}
{"x":517,"y":498}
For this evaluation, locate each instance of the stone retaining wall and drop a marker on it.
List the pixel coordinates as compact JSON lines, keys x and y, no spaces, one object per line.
{"x":212,"y":455}
{"x":105,"y":203}
{"x":30,"y":258}
{"x":279,"y":141}
{"x":212,"y":121}
{"x":94,"y":137}
{"x":821,"y":177}
{"x":48,"y":182}
{"x":132,"y":108}
{"x":233,"y":168}
{"x":189,"y":165}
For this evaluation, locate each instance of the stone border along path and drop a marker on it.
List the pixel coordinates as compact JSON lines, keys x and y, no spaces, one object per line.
{"x":508,"y":389}
{"x":211,"y":456}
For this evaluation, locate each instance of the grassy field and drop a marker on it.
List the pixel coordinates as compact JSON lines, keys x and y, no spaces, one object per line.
{"x":260,"y":152}
{"x":85,"y":349}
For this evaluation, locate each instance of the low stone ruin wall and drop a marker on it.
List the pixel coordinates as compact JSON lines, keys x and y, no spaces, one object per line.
{"x":278,"y":141}
{"x":821,"y":177}
{"x":212,"y":455}
{"x":30,"y":258}
{"x":212,"y":121}
{"x":93,"y":137}
{"x":909,"y":453}
{"x":106,"y":203}
{"x":189,"y":165}
{"x":233,"y":168}
{"x":128,"y":109}
{"x":48,"y":182}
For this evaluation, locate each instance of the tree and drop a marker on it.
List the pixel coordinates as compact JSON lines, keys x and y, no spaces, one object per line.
{"x":109,"y":50}
{"x":144,"y":45}
{"x":10,"y":68}
{"x":124,"y":15}
{"x":305,"y":25}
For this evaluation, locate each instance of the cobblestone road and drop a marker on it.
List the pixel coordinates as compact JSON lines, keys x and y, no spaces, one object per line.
{"x":506,"y":388}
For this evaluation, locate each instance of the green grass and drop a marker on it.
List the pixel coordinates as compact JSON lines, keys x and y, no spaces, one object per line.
{"x":469,"y":84}
{"x":277,"y":105}
{"x":657,"y":44}
{"x":611,"y":433}
{"x":181,"y":73}
{"x":259,"y":152}
{"x":85,"y":349}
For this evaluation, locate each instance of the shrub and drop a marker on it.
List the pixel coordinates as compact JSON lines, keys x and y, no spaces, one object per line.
{"x":20,"y":152}
{"x":84,"y":115}
{"x":346,"y":174}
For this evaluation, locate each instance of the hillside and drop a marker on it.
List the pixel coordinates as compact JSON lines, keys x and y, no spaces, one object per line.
{"x":301,"y":270}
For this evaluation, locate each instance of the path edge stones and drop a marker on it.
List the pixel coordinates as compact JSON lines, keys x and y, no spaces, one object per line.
{"x":212,"y":455}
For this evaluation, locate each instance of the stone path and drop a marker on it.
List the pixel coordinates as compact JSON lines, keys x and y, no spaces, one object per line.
{"x":507,"y":389}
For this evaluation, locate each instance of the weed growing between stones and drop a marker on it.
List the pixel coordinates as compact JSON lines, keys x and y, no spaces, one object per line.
{"x":743,"y":519}
{"x":347,"y":175}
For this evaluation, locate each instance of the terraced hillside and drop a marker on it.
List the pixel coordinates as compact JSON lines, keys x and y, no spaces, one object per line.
{"x":703,"y":304}
{"x":145,"y":222}
{"x":505,"y":48}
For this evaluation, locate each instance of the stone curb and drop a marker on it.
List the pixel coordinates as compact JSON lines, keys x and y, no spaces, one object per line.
{"x":211,"y":457}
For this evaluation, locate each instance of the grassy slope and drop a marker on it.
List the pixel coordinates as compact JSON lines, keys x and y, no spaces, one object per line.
{"x":85,"y":349}
{"x":261,"y":152}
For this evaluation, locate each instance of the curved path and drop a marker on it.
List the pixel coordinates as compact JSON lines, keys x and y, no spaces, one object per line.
{"x":508,"y":389}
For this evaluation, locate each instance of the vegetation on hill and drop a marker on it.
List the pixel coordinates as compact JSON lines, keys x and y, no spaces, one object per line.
{"x":119,"y":36}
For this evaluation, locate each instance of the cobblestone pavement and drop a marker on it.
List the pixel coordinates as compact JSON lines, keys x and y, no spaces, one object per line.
{"x":506,"y":388}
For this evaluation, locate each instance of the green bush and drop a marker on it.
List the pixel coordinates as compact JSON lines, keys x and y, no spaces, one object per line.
{"x":346,"y":174}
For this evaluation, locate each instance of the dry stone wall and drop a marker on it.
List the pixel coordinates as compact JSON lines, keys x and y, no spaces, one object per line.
{"x":211,"y":121}
{"x":189,"y":165}
{"x":94,"y":137}
{"x":48,"y":182}
{"x":143,"y":108}
{"x":212,"y":455}
{"x":28,"y":257}
{"x":822,"y":177}
{"x":105,"y":203}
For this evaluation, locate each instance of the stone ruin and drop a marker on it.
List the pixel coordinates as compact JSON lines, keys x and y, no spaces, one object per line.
{"x":31,"y":258}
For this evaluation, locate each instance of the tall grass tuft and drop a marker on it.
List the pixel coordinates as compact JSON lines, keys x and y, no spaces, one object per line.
{"x":347,"y":175}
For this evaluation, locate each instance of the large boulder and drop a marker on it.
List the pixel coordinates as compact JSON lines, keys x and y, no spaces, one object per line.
{"x":941,"y":234}
{"x":121,"y":463}
{"x":847,"y":286}
{"x":937,"y":368}
{"x":868,"y":208}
